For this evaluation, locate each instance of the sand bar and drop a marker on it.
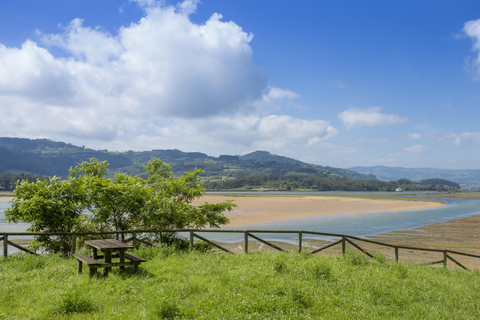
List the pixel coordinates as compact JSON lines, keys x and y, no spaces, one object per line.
{"x":255,"y":209}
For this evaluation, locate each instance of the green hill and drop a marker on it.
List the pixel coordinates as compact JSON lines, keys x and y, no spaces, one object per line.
{"x":264,"y":156}
{"x":462,"y":176}
{"x":47,"y":157}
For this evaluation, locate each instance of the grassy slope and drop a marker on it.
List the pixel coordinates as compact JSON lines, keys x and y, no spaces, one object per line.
{"x":240,"y":286}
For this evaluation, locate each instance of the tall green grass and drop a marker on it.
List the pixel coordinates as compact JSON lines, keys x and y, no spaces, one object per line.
{"x":192,"y":285}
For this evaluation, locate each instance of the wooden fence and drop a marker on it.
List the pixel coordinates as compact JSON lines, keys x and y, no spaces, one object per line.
{"x":194,"y":233}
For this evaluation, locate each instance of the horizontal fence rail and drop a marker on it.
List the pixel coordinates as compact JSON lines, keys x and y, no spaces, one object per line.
{"x":194,"y":233}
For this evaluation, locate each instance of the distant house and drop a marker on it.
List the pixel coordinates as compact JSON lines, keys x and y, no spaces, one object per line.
{"x":399,"y":190}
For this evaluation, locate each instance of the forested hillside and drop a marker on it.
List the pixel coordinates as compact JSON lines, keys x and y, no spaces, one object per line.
{"x":41,"y":158}
{"x":462,"y":176}
{"x":317,"y":183}
{"x":48,"y":158}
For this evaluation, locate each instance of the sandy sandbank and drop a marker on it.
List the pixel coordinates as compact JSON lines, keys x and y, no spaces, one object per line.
{"x":255,"y":209}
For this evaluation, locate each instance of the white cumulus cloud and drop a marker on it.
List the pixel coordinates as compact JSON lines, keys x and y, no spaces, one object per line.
{"x":370,"y":117}
{"x":268,"y":132}
{"x":162,"y":81}
{"x":472,"y":29}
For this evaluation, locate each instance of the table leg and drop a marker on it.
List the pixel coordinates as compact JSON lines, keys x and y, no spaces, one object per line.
{"x":122,"y":260}
{"x":94,"y":253}
{"x":108,"y":259}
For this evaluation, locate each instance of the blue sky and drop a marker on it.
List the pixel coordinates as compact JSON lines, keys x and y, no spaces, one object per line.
{"x":338,"y":83}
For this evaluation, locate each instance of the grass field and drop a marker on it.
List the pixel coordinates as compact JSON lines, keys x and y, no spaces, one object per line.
{"x":193,"y":285}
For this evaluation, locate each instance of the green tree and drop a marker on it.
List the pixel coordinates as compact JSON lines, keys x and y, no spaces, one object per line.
{"x":90,"y":201}
{"x":169,"y":205}
{"x":113,"y":204}
{"x":49,"y":206}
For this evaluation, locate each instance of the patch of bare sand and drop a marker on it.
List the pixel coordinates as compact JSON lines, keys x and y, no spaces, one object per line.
{"x":462,"y":235}
{"x":254,"y":209}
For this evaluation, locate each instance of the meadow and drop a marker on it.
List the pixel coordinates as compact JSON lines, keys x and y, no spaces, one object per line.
{"x":175,"y":284}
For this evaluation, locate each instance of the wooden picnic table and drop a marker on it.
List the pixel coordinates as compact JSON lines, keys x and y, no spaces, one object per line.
{"x":108,"y":246}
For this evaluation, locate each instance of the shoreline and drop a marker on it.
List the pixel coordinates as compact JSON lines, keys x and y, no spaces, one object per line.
{"x":255,"y":209}
{"x":460,"y":235}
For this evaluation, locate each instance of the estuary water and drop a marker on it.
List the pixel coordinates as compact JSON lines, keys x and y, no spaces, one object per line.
{"x":9,"y":227}
{"x":358,"y":224}
{"x":365,"y":224}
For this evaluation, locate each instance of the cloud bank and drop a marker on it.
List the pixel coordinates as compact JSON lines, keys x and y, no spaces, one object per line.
{"x":370,"y":117}
{"x":163,"y":77}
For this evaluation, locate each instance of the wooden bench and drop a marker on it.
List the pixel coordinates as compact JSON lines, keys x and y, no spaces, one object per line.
{"x":89,"y":261}
{"x":136,"y":260}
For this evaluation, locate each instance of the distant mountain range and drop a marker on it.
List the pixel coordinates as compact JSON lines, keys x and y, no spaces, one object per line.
{"x":49,"y":158}
{"x":465,"y":177}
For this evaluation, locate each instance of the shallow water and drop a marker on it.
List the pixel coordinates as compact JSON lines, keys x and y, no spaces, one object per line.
{"x":371,"y":223}
{"x":358,"y":224}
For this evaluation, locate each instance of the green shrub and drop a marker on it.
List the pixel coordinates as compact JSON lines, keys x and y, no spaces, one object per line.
{"x":355,"y":258}
{"x":279,"y":266}
{"x":379,"y":257}
{"x":321,"y":270}
{"x":74,"y":302}
{"x":300,"y":298}
{"x":202,"y":246}
{"x":167,"y":309}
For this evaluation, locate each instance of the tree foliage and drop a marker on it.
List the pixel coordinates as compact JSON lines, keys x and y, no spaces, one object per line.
{"x":9,"y":181}
{"x":88,"y":200}
{"x":315,"y":183}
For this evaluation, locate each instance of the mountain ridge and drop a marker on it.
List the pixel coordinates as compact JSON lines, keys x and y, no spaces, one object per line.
{"x":48,"y":157}
{"x":462,"y":176}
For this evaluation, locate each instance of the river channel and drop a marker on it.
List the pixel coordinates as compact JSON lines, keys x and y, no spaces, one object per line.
{"x":359,"y":224}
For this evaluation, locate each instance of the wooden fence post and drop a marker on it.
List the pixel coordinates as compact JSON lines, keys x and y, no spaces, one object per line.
{"x":5,"y":245}
{"x":396,"y":254}
{"x":191,"y":240}
{"x":246,"y":242}
{"x":300,"y":241}
{"x":74,"y":245}
{"x":134,"y":240}
{"x":343,"y":244}
{"x":445,"y":258}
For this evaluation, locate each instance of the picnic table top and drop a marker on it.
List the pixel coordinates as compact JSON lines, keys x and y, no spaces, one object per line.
{"x":108,"y":244}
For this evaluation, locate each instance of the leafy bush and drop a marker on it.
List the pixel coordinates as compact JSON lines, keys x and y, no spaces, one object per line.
{"x":321,"y":270}
{"x":356,"y":258}
{"x":74,"y":302}
{"x":202,"y":246}
{"x":167,"y":309}
{"x":279,"y":266}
